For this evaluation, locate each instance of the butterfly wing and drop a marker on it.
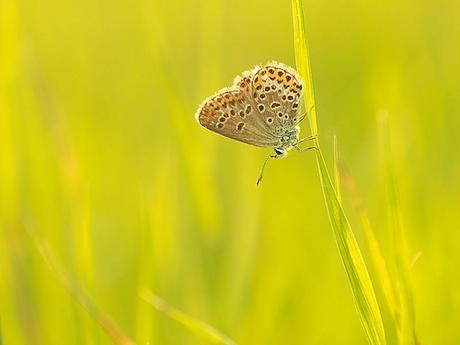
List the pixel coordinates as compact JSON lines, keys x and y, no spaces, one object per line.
{"x":257,"y":108}
{"x":276,"y":90}
{"x":231,"y":113}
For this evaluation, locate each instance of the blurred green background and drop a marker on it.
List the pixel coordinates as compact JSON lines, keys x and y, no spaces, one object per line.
{"x":101,"y":156}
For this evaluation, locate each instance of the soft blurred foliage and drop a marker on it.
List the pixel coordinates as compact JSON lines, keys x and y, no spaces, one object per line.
{"x":101,"y":156}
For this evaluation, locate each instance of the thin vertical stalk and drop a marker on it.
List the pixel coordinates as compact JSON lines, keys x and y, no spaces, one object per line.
{"x":358,"y":276}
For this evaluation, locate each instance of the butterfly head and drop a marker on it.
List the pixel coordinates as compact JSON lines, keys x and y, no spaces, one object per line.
{"x":279,"y":152}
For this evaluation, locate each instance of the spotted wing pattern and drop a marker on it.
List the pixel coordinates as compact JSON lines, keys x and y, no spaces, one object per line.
{"x":276,"y":90}
{"x":257,"y":107}
{"x":230,"y":113}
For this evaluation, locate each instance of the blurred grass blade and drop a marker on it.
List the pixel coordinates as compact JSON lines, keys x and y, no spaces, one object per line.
{"x":337,"y":172}
{"x":352,"y":259}
{"x":414,"y":260}
{"x":406,"y":316}
{"x":197,"y":326}
{"x":377,"y":258}
{"x":104,"y":321}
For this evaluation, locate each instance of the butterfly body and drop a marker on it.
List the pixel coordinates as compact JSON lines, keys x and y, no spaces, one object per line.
{"x":260,"y":109}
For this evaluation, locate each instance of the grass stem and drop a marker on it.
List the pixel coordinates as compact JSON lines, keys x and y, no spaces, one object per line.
{"x":358,"y":276}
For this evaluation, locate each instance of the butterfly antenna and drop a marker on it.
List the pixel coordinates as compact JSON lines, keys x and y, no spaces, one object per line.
{"x":262,"y":169}
{"x":304,"y":115}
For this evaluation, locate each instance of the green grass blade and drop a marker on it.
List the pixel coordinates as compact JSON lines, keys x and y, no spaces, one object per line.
{"x":337,"y":172}
{"x":302,"y":59}
{"x":352,"y":259}
{"x":197,"y":326}
{"x":377,"y":258}
{"x":406,"y":318}
{"x":361,"y":285}
{"x":104,"y":321}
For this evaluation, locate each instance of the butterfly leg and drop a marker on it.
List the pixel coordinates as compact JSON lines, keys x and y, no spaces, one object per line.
{"x":263,"y":168}
{"x":303,"y":149}
{"x":311,"y":137}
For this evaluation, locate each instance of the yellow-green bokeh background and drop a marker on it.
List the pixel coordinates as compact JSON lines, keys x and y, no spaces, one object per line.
{"x":101,"y":156}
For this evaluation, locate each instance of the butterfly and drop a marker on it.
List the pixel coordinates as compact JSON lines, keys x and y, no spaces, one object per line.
{"x":261,"y":108}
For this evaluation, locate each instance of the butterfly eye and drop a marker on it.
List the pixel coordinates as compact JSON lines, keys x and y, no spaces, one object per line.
{"x":269,"y":120}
